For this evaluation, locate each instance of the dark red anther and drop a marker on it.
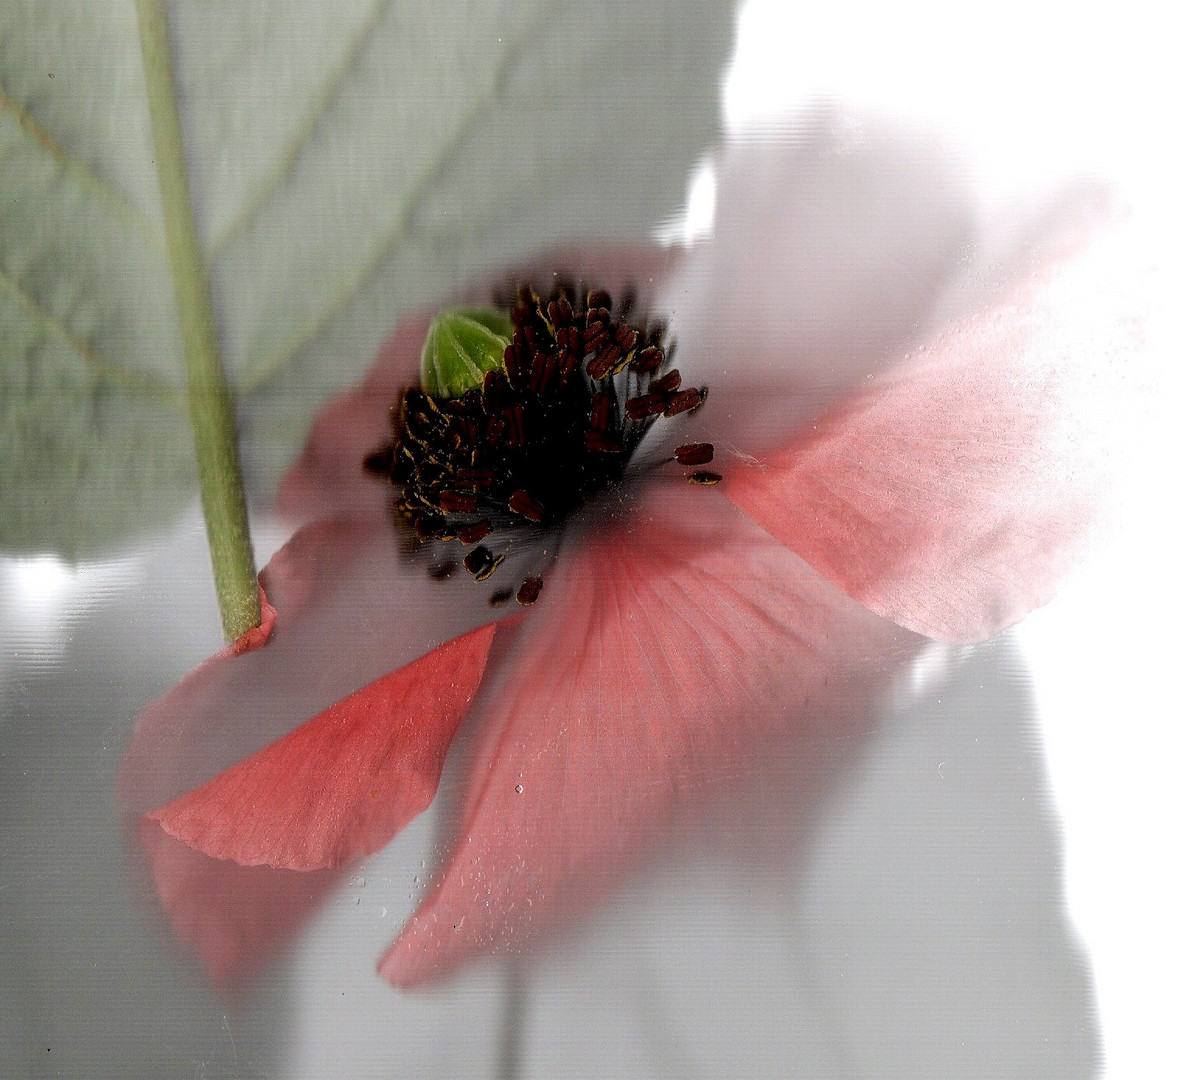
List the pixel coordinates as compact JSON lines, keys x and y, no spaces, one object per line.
{"x":595,"y":337}
{"x":457,"y":502}
{"x":479,"y":560}
{"x":624,"y":336}
{"x":513,"y":365}
{"x":704,"y":477}
{"x":542,"y":372}
{"x":666,"y":383}
{"x":482,"y":478}
{"x":500,"y":598}
{"x":601,"y":442}
{"x":602,"y":411}
{"x":523,"y":503}
{"x":528,"y":593}
{"x":524,"y":342}
{"x":638,"y":408}
{"x":695,"y":453}
{"x":571,"y":346}
{"x":685,"y":401}
{"x":559,"y":311}
{"x":568,"y":358}
{"x":649,"y":359}
{"x":534,"y":425}
{"x":494,"y":428}
{"x":496,"y":392}
{"x":515,"y":421}
{"x":604,"y":362}
{"x":473,"y":534}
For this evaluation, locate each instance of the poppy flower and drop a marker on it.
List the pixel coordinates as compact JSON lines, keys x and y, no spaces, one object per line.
{"x":868,"y":436}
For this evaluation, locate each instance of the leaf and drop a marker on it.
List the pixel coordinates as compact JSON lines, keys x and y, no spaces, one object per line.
{"x":348,"y":161}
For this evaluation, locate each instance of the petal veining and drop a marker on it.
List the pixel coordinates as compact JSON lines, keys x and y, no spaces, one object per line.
{"x":671,"y":650}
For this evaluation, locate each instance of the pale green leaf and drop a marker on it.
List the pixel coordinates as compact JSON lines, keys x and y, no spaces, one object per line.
{"x":348,"y":161}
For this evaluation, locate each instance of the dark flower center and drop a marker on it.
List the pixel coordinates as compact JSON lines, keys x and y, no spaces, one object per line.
{"x":557,"y":424}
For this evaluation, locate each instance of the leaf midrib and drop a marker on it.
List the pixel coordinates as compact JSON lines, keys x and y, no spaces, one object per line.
{"x":258,"y":374}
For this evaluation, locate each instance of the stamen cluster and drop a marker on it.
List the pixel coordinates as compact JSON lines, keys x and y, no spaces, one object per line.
{"x":557,"y":424}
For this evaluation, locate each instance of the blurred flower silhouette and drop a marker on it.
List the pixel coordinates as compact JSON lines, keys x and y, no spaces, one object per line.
{"x":896,"y":394}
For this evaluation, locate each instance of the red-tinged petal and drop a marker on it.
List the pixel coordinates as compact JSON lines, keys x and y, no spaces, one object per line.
{"x":235,"y":918}
{"x":830,"y":246}
{"x":668,"y":652}
{"x":328,"y":477}
{"x":953,"y":494}
{"x":341,"y":785}
{"x":258,"y":636}
{"x":350,"y":608}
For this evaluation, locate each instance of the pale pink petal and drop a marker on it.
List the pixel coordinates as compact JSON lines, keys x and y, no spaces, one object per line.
{"x":235,"y":918}
{"x":669,"y":652}
{"x":954,"y":493}
{"x":342,"y":784}
{"x":832,"y":240}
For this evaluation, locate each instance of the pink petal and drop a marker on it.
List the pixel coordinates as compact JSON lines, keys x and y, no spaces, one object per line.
{"x":235,"y":918}
{"x":341,"y":785}
{"x":349,"y":610}
{"x":831,"y":244}
{"x":668,"y":653}
{"x":952,"y":496}
{"x":328,"y":478}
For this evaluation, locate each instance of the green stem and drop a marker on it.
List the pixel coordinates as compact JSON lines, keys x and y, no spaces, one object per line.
{"x":212,"y":418}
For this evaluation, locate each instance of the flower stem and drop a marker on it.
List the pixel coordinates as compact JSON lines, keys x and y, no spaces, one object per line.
{"x":513,"y":1024}
{"x":212,"y":417}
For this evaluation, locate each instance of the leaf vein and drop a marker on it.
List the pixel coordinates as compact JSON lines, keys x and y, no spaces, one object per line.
{"x":256,"y":375}
{"x":116,"y":202}
{"x":138,"y":382}
{"x":285,"y":164}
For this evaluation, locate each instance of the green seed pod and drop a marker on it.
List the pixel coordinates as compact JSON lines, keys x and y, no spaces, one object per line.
{"x":462,"y":346}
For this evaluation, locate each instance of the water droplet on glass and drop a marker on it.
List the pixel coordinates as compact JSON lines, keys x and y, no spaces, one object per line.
{"x":519,"y":789}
